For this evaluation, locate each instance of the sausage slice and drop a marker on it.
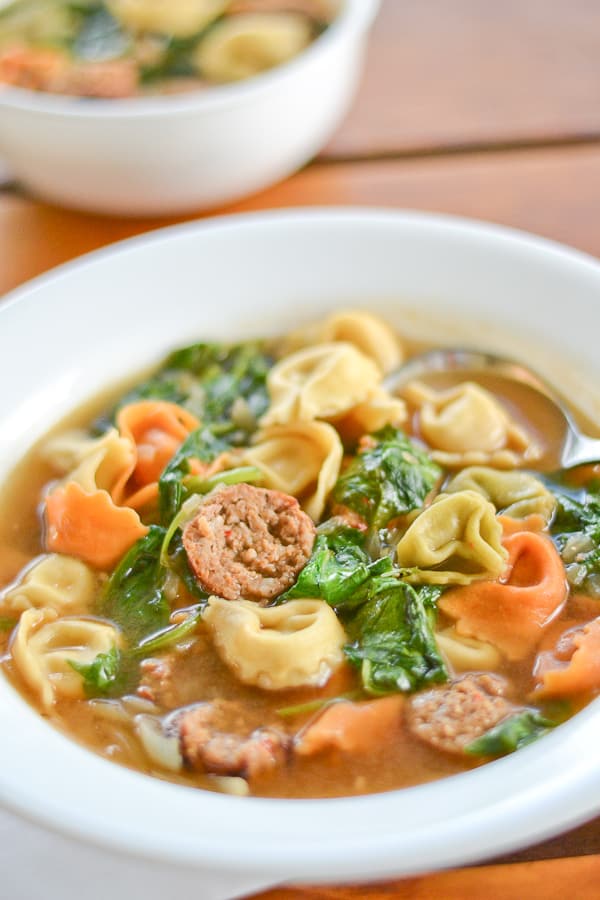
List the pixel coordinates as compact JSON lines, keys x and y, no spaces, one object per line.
{"x":450,"y":718}
{"x":215,"y":738}
{"x":248,"y":542}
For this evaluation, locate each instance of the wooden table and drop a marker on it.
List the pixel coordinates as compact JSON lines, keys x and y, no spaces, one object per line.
{"x":490,"y":110}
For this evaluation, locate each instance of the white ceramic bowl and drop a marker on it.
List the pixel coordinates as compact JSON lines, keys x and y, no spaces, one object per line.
{"x":170,"y":154}
{"x":68,"y":333}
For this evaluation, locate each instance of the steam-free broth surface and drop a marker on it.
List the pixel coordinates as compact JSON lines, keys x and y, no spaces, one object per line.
{"x":266,"y":692}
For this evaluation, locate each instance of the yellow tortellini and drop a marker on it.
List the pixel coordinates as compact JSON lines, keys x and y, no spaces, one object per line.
{"x":93,"y":463}
{"x":372,"y":414}
{"x":244,"y":45}
{"x":295,"y":644}
{"x":467,"y":654}
{"x":302,"y":459}
{"x":181,"y":18}
{"x":517,"y":494}
{"x":319,"y":382}
{"x":368,"y":333}
{"x":43,"y":645}
{"x":456,"y":540}
{"x":57,"y":582}
{"x":467,"y":425}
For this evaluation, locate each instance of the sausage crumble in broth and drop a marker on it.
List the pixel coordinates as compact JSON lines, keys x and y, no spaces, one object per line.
{"x":256,"y":571}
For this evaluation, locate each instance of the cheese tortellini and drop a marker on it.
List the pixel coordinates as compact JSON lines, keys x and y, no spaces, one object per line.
{"x":467,"y":654}
{"x":302,"y":459}
{"x":319,"y":382}
{"x":181,"y":18}
{"x":516,"y":494}
{"x":467,"y":425}
{"x":295,"y":644}
{"x":44,"y":645}
{"x":456,"y":540}
{"x":93,"y":463}
{"x":368,"y":333}
{"x":57,"y":582}
{"x":379,"y":410}
{"x":247,"y":44}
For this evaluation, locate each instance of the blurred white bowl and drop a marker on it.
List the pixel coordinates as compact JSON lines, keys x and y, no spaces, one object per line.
{"x":68,"y":334}
{"x":170,"y":154}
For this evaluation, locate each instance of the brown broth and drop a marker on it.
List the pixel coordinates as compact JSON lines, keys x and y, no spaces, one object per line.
{"x":395,"y":764}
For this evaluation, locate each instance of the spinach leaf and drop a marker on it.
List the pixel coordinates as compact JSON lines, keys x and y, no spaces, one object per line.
{"x":229,"y":375}
{"x":7,"y":624}
{"x":513,"y":733}
{"x":100,"y":36}
{"x":178,"y":563}
{"x":339,"y":565}
{"x":224,"y":386}
{"x":387,"y":480}
{"x":200,"y":444}
{"x":393,"y":640}
{"x":110,"y":674}
{"x":134,"y":597}
{"x":576,"y":532}
{"x":114,"y":673}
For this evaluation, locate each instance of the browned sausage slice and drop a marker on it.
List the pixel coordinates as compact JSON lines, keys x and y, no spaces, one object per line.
{"x":248,"y":542}
{"x":450,"y":718}
{"x":214,"y":738}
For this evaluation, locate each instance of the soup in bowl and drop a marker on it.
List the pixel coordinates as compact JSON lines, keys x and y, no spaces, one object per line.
{"x":254,"y":570}
{"x":132,"y":137}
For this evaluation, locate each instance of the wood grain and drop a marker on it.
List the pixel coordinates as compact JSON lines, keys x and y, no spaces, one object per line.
{"x":553,"y":192}
{"x":447,"y":73}
{"x":571,"y":877}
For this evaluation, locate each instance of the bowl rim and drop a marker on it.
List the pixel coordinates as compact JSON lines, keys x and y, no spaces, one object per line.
{"x":354,"y":18}
{"x":532,"y":815}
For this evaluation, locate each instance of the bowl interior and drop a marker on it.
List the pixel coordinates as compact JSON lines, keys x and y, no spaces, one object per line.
{"x":74,"y":331}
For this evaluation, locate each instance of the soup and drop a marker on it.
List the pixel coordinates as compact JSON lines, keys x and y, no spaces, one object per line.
{"x":258,"y":571}
{"x":125,"y":48}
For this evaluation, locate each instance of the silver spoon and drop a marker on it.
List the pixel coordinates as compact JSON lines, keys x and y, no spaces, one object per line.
{"x":577,"y":448}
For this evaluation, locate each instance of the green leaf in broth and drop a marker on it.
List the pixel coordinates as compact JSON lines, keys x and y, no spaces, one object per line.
{"x":100,"y":37}
{"x":339,"y":564}
{"x":134,"y":597}
{"x":201,"y":444}
{"x":392,"y":636}
{"x":387,"y":480}
{"x":513,"y":733}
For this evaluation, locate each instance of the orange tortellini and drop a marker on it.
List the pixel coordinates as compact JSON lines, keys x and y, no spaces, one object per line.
{"x":45,"y":645}
{"x":296,"y":644}
{"x":466,"y":425}
{"x":302,"y":459}
{"x":456,"y":540}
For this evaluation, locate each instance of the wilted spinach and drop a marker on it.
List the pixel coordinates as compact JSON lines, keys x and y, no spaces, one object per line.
{"x":100,"y":36}
{"x":513,"y":733}
{"x":200,"y":444}
{"x":392,"y":636}
{"x":108,"y":675}
{"x":223,"y":385}
{"x":387,"y":480}
{"x":114,"y":673}
{"x":576,"y":532}
{"x":339,"y":564}
{"x":134,"y":597}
